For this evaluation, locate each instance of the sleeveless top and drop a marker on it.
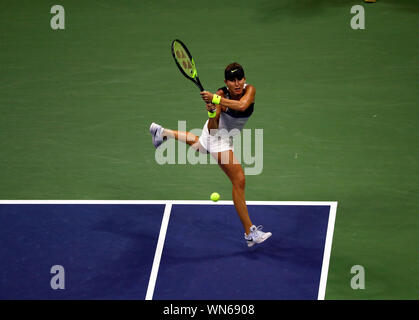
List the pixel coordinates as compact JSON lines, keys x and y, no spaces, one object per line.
{"x":234,"y":119}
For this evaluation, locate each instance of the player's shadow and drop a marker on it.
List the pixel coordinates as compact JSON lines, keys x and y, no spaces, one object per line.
{"x":274,"y":249}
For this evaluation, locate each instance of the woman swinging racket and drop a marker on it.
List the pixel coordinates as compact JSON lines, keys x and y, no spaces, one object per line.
{"x":229,"y":108}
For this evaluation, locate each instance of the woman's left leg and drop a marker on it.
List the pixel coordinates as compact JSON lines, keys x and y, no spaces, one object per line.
{"x":229,"y":164}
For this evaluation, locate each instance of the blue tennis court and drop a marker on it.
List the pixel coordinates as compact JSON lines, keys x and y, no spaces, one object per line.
{"x":163,"y":250}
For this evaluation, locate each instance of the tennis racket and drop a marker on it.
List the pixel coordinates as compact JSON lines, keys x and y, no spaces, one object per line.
{"x":185,"y":62}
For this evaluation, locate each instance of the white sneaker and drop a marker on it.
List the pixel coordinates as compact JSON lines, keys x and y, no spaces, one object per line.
{"x":156,"y":131}
{"x":256,"y":235}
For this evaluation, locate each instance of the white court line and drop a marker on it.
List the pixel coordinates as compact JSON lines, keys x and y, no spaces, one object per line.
{"x":197,"y":202}
{"x":327,"y":251}
{"x":158,"y":253}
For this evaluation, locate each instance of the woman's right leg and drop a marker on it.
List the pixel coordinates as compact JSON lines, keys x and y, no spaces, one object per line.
{"x":184,"y":136}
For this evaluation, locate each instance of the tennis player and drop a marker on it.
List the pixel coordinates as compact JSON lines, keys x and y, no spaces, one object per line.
{"x":229,"y":109}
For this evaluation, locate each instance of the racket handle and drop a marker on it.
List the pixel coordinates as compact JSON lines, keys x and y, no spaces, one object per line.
{"x":198,"y":83}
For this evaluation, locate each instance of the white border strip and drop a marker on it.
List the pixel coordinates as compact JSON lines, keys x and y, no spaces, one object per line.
{"x":327,"y":251}
{"x":198,"y":202}
{"x":158,"y":253}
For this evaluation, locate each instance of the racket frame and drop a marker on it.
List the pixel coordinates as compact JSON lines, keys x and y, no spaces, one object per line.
{"x":196,"y":78}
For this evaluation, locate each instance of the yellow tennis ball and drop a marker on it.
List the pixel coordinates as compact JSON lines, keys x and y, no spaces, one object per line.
{"x":215,"y":196}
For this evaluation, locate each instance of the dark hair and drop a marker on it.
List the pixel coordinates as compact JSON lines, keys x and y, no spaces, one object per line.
{"x":234,"y":71}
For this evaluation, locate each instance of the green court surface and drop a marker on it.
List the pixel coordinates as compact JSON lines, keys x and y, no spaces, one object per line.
{"x":338,"y":108}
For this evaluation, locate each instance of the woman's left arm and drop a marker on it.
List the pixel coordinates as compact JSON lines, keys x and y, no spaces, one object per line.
{"x":239,"y":105}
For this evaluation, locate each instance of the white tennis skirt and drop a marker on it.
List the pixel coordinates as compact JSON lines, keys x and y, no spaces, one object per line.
{"x":215,"y":143}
